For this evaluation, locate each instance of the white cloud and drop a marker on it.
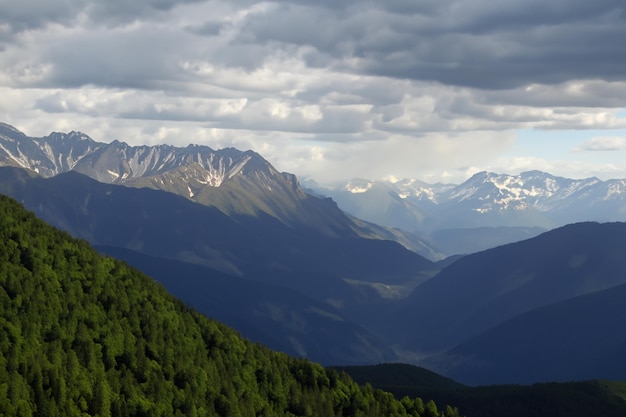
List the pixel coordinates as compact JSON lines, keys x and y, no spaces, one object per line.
{"x":605,"y":143}
{"x":399,"y":156}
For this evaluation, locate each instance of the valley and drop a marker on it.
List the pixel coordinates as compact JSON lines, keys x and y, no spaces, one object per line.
{"x":499,"y":280}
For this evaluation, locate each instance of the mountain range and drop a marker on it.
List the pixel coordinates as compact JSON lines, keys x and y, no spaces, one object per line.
{"x":434,"y":220}
{"x":87,"y":335}
{"x":199,"y":173}
{"x":235,"y":182}
{"x":252,"y":223}
{"x":485,"y":211}
{"x":290,"y":269}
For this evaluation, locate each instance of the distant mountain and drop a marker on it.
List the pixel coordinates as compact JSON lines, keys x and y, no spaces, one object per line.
{"x":380,"y":202}
{"x":235,"y":182}
{"x":57,"y":153}
{"x":485,"y":289}
{"x":536,"y":198}
{"x":515,"y":207}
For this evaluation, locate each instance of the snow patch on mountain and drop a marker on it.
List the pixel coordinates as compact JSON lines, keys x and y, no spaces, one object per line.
{"x":236,"y":169}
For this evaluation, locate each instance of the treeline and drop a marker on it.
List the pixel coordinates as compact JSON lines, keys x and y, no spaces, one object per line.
{"x":82,"y":334}
{"x":566,"y":399}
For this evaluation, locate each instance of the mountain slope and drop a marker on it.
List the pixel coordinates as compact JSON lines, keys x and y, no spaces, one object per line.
{"x":233,"y":181}
{"x":476,"y":239}
{"x":165,"y":225}
{"x":486,"y":288}
{"x":236,"y":182}
{"x":86,"y":335}
{"x":282,"y":319}
{"x":346,"y":273}
{"x":577,"y":339}
{"x":399,"y":376}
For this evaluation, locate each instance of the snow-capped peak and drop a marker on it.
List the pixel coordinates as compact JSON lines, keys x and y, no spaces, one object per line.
{"x":118,"y":162}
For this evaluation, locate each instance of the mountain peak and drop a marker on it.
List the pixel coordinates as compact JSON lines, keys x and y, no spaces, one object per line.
{"x":8,"y":129}
{"x":232,"y":180}
{"x":481,"y":176}
{"x":535,"y":173}
{"x":79,"y":135}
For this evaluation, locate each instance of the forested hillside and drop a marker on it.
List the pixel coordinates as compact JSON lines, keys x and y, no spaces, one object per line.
{"x":85,"y":335}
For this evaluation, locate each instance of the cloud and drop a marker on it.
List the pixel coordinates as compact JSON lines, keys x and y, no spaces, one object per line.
{"x":210,"y":28}
{"x":24,"y":15}
{"x":328,"y":84}
{"x":471,"y":43}
{"x":605,"y":143}
{"x":400,"y":156}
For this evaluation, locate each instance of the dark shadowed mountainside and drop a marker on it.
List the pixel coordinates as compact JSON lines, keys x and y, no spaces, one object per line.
{"x":280,"y":318}
{"x":485,"y":289}
{"x":581,"y":338}
{"x":398,"y":375}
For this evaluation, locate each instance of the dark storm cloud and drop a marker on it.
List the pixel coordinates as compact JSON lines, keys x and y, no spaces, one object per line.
{"x":473,"y":43}
{"x":482,"y":44}
{"x":211,"y":28}
{"x":17,"y":16}
{"x":118,"y":60}
{"x":116,"y":12}
{"x":22,"y":15}
{"x":589,"y":94}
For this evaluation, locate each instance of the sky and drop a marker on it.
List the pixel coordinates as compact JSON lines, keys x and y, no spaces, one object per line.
{"x":435,"y":90}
